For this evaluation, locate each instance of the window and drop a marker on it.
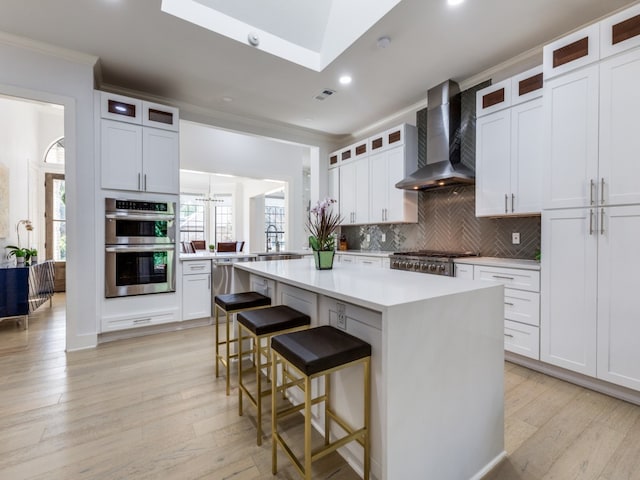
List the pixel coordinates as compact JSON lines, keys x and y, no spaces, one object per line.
{"x":274,"y":219}
{"x":55,"y":153}
{"x":192,"y":218}
{"x":55,"y":215}
{"x":223,"y":218}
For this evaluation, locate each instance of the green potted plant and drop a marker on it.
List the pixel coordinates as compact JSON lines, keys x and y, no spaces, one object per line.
{"x":19,"y":253}
{"x":322,"y":225}
{"x":32,"y":255}
{"x":212,"y":247}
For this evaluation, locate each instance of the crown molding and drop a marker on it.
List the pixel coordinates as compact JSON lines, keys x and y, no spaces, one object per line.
{"x":47,"y":49}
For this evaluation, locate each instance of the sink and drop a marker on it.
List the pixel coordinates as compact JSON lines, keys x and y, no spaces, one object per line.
{"x":277,"y":256}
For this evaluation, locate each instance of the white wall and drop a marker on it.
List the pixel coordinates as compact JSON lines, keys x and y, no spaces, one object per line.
{"x":30,"y":73}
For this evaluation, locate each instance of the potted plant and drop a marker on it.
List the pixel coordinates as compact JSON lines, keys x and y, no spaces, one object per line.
{"x":32,"y":255}
{"x":322,"y":226}
{"x":212,"y":247}
{"x":19,"y":253}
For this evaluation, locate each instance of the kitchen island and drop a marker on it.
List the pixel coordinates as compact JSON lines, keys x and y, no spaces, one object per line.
{"x":437,"y":362}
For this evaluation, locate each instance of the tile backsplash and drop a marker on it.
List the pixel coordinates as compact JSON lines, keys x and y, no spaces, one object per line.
{"x":447,"y":221}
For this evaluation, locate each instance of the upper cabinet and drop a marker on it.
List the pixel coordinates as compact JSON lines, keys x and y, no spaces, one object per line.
{"x":368,"y":172}
{"x":139,"y":145}
{"x":509,"y":146}
{"x":620,"y":32}
{"x":576,"y":50}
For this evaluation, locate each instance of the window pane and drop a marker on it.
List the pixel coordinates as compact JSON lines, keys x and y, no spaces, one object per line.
{"x":59,"y":240}
{"x":59,"y":208}
{"x":55,"y":154}
{"x":274,"y":219}
{"x":192,"y":218}
{"x":224,"y":223}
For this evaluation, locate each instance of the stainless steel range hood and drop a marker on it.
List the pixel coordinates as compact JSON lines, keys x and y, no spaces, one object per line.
{"x":444,"y":167}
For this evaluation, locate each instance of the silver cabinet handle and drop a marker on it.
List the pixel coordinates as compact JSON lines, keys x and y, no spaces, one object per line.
{"x":209,"y":282}
{"x":145,"y":182}
{"x":602,"y":221}
{"x":506,"y":199}
{"x":508,"y":335}
{"x":591,"y":186}
{"x":197,"y":267}
{"x":142,"y":320}
{"x":382,"y":214}
{"x":602,"y":191}
{"x":513,"y":199}
{"x":591,"y":222}
{"x":503,"y":277}
{"x":509,"y":303}
{"x":139,"y":185}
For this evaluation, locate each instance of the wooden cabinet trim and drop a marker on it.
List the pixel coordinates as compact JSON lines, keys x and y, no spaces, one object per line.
{"x":376,"y":143}
{"x":571,"y":52}
{"x":361,"y":149}
{"x":160,"y":116}
{"x":346,"y":155}
{"x":395,"y":137}
{"x":625,"y":30}
{"x":333,"y":159}
{"x":530,"y":84}
{"x":493,"y":98}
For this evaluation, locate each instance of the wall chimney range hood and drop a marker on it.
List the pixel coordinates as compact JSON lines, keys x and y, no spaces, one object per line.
{"x":444,"y":167}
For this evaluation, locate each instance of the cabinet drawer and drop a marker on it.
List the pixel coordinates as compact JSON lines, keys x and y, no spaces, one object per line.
{"x":196,"y":266}
{"x":576,"y":50}
{"x":527,"y":86}
{"x":125,"y":322}
{"x":347,"y":259}
{"x":620,"y":32}
{"x":522,"y":306}
{"x":509,"y":277}
{"x":464,"y":271}
{"x":522,"y":339}
{"x":120,"y":108}
{"x":493,"y":98}
{"x":369,"y":261}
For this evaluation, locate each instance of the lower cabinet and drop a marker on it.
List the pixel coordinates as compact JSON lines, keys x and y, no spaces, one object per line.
{"x":263,"y":286}
{"x":521,"y":306}
{"x":371,"y":261}
{"x":196,"y":289}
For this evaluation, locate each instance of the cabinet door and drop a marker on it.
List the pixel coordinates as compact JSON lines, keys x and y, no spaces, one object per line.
{"x":526,"y":157}
{"x":618,"y":300}
{"x":379,"y":184}
{"x":402,"y":204}
{"x":493,"y":138}
{"x":196,"y":296}
{"x":348,"y":193}
{"x":263,"y":286}
{"x":619,"y":167}
{"x":568,"y":294}
{"x":161,"y":161}
{"x":362,"y":190}
{"x":571,"y":168}
{"x":121,"y":155}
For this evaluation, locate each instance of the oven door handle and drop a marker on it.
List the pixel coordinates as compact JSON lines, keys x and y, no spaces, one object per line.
{"x":134,"y":217}
{"x":141,"y":248}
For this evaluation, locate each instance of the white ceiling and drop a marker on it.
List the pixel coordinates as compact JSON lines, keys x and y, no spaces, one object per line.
{"x":145,"y":50}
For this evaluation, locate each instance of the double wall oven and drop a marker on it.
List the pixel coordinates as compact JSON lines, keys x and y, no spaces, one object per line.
{"x":140,"y":247}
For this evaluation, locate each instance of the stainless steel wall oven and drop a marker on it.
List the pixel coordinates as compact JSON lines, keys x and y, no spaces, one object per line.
{"x":140,"y":251}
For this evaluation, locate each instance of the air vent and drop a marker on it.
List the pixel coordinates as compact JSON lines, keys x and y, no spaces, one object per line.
{"x":327,"y":92}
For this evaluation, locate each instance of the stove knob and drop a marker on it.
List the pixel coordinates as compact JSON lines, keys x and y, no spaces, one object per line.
{"x":394,"y":264}
{"x":441,"y":268}
{"x":432,"y":267}
{"x":424,"y":267}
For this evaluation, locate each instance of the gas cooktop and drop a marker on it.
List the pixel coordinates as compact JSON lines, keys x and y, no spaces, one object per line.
{"x":427,"y":261}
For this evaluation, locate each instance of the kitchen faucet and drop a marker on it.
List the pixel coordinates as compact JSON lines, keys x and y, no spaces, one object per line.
{"x":271,"y":230}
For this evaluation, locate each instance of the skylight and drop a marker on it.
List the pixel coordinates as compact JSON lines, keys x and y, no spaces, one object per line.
{"x":307,"y":32}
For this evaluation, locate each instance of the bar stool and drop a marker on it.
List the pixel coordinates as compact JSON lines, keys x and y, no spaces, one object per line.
{"x":315,"y":353}
{"x":260,"y":325}
{"x":233,"y":303}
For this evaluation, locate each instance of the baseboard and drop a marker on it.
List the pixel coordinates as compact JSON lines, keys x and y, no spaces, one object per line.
{"x":152,"y":330}
{"x":591,"y":383}
{"x":81,"y":342}
{"x":490,"y":466}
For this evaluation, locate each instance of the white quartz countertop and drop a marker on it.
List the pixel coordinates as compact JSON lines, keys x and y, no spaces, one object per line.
{"x":372,"y":288}
{"x":500,"y":262}
{"x":210,"y":256}
{"x":365,"y":253}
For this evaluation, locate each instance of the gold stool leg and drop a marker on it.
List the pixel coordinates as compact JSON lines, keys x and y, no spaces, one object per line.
{"x":217,"y":341}
{"x":274,"y":413}
{"x":240,"y":384}
{"x":258,"y":356}
{"x":228,"y":366}
{"x":327,"y":392}
{"x":307,"y":428}
{"x":367,"y":417}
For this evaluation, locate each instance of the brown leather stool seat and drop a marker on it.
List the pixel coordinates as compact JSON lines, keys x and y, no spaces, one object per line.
{"x":260,"y":326}
{"x":233,"y":303}
{"x":315,"y":353}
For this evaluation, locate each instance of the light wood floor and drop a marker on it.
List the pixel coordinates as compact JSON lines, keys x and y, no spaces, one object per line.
{"x":151,"y":408}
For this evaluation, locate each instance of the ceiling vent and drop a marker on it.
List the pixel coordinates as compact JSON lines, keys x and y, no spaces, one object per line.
{"x":327,"y":92}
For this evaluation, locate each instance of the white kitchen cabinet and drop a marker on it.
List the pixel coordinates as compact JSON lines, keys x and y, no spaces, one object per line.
{"x":620,"y":32}
{"x":618,"y":310}
{"x":196,"y":289}
{"x":618,"y":165}
{"x":571,"y":123}
{"x":263,"y":286}
{"x":354,"y":192}
{"x":493,"y":98}
{"x":464,"y":271}
{"x":334,"y":188}
{"x":121,"y":155}
{"x":521,"y":306}
{"x":160,"y":116}
{"x":160,"y":161}
{"x":386,"y":168}
{"x":509,"y":147}
{"x":569,"y":289}
{"x":574,"y":51}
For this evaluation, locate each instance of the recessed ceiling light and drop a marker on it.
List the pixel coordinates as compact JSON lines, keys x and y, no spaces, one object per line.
{"x":227,"y":99}
{"x":345,"y":79}
{"x":455,"y":2}
{"x":383,"y":42}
